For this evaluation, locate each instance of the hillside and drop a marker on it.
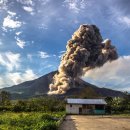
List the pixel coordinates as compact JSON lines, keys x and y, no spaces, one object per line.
{"x":40,"y":87}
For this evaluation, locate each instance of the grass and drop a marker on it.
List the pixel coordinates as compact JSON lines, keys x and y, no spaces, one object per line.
{"x":121,"y":115}
{"x":30,"y":121}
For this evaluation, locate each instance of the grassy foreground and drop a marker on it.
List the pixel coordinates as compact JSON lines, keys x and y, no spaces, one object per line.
{"x":30,"y":120}
{"x":122,"y":115}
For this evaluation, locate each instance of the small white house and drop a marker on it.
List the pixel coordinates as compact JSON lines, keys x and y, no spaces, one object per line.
{"x":85,"y":106}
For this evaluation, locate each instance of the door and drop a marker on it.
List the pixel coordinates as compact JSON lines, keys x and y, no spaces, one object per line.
{"x":80,"y":110}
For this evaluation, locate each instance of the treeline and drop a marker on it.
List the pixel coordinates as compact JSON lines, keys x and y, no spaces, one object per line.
{"x":45,"y":104}
{"x":52,"y":104}
{"x":118,"y":105}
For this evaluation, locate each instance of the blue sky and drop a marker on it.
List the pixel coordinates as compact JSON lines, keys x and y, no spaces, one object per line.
{"x":34,"y":33}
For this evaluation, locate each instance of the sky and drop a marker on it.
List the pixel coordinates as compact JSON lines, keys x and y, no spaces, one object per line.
{"x":34,"y":33}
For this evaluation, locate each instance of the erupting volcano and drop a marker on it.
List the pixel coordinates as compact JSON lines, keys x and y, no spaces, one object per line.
{"x":85,"y":50}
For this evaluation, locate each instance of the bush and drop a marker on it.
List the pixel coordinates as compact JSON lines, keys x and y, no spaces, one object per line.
{"x":47,"y":125}
{"x":6,"y":108}
{"x":47,"y":117}
{"x":19,"y":106}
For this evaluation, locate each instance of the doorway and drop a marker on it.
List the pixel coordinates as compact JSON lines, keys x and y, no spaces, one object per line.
{"x":80,"y":110}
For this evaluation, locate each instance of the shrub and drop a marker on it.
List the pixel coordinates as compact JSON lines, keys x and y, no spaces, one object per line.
{"x":46,"y":117}
{"x":47,"y":125}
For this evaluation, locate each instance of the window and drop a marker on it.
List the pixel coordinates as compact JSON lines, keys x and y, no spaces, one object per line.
{"x":89,"y":107}
{"x":99,"y":107}
{"x":84,"y":105}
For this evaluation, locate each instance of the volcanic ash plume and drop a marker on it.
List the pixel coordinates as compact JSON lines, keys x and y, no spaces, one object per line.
{"x":86,"y":50}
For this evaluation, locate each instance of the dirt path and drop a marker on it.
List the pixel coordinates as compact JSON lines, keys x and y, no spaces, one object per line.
{"x":76,"y":122}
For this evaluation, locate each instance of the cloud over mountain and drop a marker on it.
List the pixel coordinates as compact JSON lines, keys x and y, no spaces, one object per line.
{"x":113,"y":75}
{"x":10,"y":60}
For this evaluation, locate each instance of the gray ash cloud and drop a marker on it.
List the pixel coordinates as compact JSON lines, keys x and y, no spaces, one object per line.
{"x":85,"y":50}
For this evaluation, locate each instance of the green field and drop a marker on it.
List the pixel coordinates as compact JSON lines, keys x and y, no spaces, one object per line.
{"x":30,"y":120}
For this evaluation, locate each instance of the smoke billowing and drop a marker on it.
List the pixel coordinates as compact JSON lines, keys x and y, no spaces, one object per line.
{"x":85,"y":50}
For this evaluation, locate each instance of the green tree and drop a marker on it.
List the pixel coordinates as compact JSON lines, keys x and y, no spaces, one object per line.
{"x":125,"y":105}
{"x":20,"y":106}
{"x":117,"y":104}
{"x":4,"y":98}
{"x":109,"y":101}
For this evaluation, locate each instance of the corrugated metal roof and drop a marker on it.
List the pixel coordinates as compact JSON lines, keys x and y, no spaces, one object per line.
{"x":86,"y":101}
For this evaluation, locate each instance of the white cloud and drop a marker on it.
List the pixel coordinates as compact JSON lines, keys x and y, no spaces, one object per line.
{"x":10,"y":60}
{"x":11,"y":13}
{"x":3,"y":4}
{"x":75,"y":5}
{"x":44,"y":2}
{"x":28,"y":6}
{"x":29,"y":56}
{"x":10,"y":23}
{"x":43,"y":26}
{"x":29,"y":75}
{"x":26,"y":2}
{"x":18,"y":77}
{"x":125,"y":20}
{"x":48,"y":66}
{"x":20,"y":43}
{"x":118,"y":18}
{"x":28,"y":9}
{"x":18,"y":33}
{"x":113,"y":75}
{"x":61,"y":54}
{"x":43,"y":54}
{"x":14,"y":78}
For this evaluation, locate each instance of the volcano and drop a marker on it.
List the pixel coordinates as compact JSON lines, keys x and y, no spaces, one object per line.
{"x":40,"y":87}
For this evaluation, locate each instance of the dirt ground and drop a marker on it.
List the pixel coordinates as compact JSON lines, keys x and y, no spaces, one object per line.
{"x":77,"y":122}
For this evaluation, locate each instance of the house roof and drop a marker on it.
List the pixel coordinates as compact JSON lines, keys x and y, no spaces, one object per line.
{"x":86,"y":101}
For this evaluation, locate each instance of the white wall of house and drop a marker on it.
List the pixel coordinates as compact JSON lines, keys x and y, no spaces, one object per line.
{"x":72,"y":109}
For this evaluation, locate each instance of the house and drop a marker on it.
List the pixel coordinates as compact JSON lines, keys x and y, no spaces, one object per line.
{"x":85,"y":106}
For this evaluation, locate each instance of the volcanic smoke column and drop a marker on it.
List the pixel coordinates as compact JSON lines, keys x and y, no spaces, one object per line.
{"x":86,"y":50}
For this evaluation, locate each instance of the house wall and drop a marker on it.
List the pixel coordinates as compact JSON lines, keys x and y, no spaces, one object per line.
{"x":86,"y":109}
{"x":99,"y":112}
{"x":73,"y":110}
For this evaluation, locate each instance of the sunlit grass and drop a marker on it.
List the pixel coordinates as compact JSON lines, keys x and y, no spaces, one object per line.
{"x":29,"y":121}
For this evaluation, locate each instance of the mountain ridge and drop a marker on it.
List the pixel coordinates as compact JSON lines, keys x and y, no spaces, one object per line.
{"x":40,"y":87}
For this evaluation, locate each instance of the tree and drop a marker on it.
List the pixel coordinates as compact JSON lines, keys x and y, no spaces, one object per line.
{"x":20,"y":106}
{"x":125,"y":105}
{"x":109,"y":101}
{"x":4,"y":98}
{"x":117,"y":104}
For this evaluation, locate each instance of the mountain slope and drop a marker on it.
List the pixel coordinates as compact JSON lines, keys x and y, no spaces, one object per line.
{"x":40,"y":87}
